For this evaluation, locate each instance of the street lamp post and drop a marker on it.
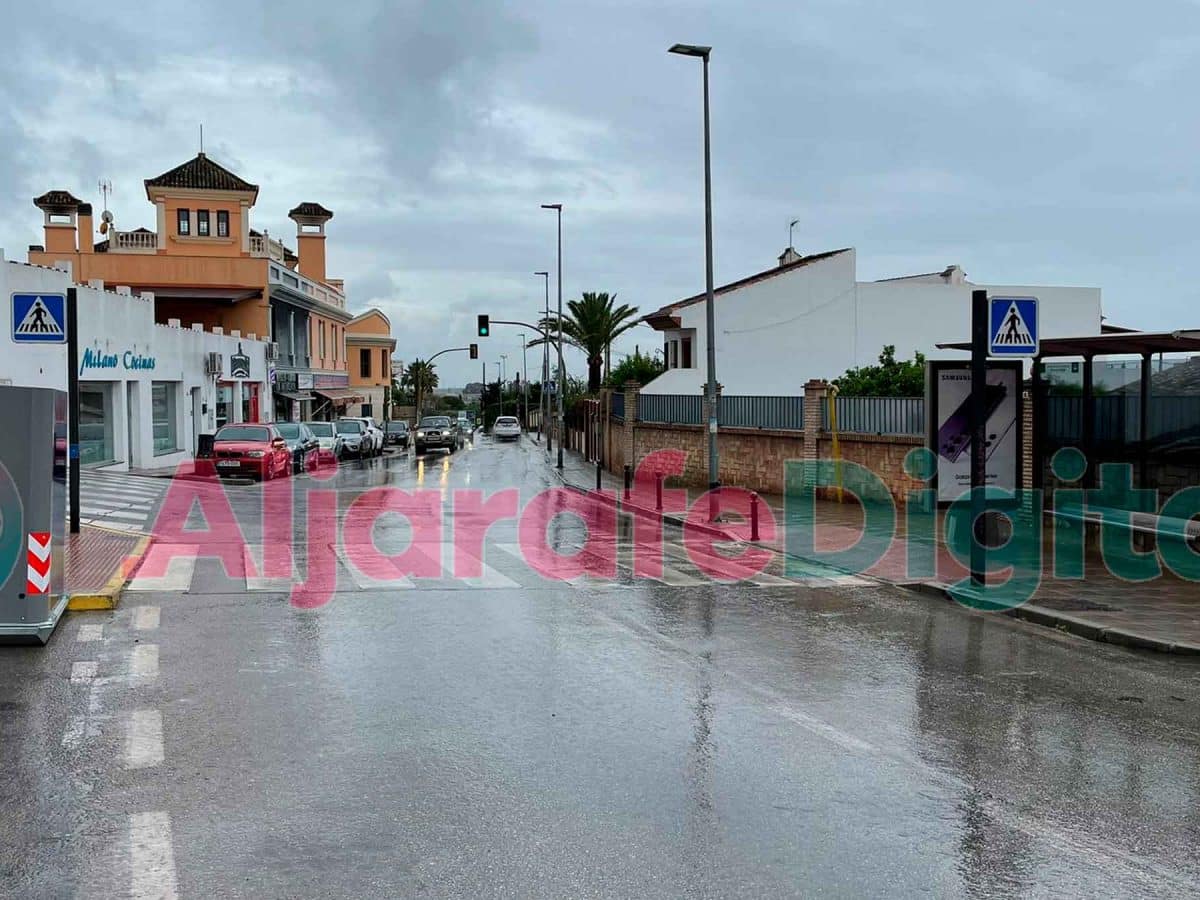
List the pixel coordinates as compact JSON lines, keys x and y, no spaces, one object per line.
{"x":503,"y":379}
{"x":524,"y":384}
{"x":499,"y":386}
{"x":711,"y":387}
{"x":543,"y":400}
{"x":561,"y":383}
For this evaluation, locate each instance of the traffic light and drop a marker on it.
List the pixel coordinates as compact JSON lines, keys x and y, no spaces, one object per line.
{"x":474,"y":351}
{"x":483,"y":326}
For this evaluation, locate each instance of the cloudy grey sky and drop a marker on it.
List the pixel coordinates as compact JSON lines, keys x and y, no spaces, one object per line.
{"x":1028,"y":142}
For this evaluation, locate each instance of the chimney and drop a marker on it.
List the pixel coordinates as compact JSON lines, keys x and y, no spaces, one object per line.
{"x":86,"y":233}
{"x":310,"y":219}
{"x":60,"y":209}
{"x":789,"y":256}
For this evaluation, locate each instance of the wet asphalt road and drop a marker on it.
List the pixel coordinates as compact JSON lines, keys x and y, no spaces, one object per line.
{"x":521,"y":737}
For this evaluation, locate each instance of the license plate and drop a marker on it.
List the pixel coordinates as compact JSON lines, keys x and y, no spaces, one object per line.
{"x":228,"y":463}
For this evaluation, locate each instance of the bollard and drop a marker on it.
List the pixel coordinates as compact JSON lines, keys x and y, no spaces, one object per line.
{"x":599,"y":469}
{"x":754,"y":517}
{"x":628,"y":479}
{"x":658,"y":483}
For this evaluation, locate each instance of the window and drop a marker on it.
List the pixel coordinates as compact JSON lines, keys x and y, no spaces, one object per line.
{"x":95,"y":424}
{"x":224,"y":398}
{"x":687,"y":352}
{"x":336,"y":342}
{"x":383,"y":364}
{"x":366,"y":409}
{"x":364,"y":362}
{"x":162,"y":405}
{"x":322,"y":340}
{"x":249,"y":402}
{"x":185,"y":221}
{"x":674,"y":354}
{"x":202,"y":222}
{"x":222,"y":223}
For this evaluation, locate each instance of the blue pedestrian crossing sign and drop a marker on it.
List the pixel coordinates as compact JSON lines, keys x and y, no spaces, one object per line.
{"x":1013,"y":327}
{"x":39,"y":318}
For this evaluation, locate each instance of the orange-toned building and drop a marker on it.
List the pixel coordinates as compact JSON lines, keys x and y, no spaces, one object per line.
{"x":204,"y":263}
{"x":370,"y":345}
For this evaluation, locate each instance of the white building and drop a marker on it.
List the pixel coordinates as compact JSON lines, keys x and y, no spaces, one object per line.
{"x":809,"y":317}
{"x":145,"y":390}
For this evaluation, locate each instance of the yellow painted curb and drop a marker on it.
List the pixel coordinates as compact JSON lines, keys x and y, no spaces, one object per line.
{"x":110,"y":595}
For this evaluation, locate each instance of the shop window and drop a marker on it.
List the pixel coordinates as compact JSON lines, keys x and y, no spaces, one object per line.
{"x":364,"y":362}
{"x":163,"y":398}
{"x":367,"y":410}
{"x":249,"y":402}
{"x":222,"y":223}
{"x":184,"y":221}
{"x":686,"y":346}
{"x":202,"y":222}
{"x":224,"y":401}
{"x":95,"y":424}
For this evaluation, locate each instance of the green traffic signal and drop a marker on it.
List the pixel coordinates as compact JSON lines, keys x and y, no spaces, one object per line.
{"x":483,"y":326}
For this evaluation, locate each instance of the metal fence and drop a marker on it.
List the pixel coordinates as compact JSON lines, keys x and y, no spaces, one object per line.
{"x":673,"y":409}
{"x":618,"y":405}
{"x":785,"y":413}
{"x":1116,"y":418}
{"x":877,"y":415}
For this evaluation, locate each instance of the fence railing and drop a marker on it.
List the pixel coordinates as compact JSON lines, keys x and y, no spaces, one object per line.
{"x":785,"y":413}
{"x":671,"y":409}
{"x":877,"y":415}
{"x":1116,"y":418}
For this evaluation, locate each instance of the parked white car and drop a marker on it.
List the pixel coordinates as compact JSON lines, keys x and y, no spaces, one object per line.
{"x":372,"y":444}
{"x":506,"y":428}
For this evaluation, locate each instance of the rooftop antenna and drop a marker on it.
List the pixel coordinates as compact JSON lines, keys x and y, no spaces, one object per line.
{"x":201,"y":137}
{"x":106,"y":217}
{"x":792,"y":224}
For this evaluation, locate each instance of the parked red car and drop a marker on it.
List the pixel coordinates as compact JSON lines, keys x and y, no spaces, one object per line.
{"x":254,"y":450}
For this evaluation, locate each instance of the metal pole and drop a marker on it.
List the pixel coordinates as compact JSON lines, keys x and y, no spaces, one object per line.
{"x":524,"y":383}
{"x":562,"y":372}
{"x":73,"y":406}
{"x":710,"y":327}
{"x":978,"y":422}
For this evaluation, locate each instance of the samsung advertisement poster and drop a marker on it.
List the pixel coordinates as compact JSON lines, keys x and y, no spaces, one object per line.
{"x":950,"y":425}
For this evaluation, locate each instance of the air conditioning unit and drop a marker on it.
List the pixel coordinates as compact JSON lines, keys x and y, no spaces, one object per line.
{"x":214,"y":364}
{"x":272,"y":352}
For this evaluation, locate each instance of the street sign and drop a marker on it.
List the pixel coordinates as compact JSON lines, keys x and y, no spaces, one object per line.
{"x":1013,"y":326}
{"x":39,"y":318}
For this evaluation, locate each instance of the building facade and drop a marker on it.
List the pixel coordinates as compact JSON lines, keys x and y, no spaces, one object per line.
{"x":809,"y":317}
{"x":147,"y":390}
{"x":204,"y":265}
{"x":370,"y":345}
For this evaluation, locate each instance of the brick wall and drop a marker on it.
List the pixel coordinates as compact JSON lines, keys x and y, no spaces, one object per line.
{"x":749,"y":457}
{"x":883,"y":454}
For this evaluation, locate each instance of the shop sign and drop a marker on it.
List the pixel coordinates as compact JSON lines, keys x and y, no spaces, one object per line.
{"x":94,"y":358}
{"x":239,"y":364}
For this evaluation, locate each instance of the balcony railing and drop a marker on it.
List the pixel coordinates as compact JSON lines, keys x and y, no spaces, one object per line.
{"x":281,"y":274}
{"x":132,"y":242}
{"x":263,"y":245}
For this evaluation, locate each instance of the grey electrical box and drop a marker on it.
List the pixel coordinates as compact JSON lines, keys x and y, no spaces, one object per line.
{"x":33,"y":511}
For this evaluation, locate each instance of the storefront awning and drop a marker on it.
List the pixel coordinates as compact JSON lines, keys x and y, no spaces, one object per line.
{"x":340,"y":395}
{"x":301,"y":397}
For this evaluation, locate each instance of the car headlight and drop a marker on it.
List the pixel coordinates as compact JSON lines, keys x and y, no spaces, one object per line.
{"x":256,"y":454}
{"x":420,"y":434}
{"x":445,"y":434}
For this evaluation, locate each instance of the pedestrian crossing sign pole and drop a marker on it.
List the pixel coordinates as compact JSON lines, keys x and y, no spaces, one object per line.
{"x":1013,"y":326}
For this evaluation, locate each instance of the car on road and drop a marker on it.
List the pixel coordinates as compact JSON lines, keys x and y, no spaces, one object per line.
{"x":253,"y":450}
{"x":301,"y":442}
{"x":506,"y":428}
{"x":356,"y":440}
{"x":434,"y":432}
{"x":329,"y":442}
{"x":396,"y":433}
{"x":373,"y":431}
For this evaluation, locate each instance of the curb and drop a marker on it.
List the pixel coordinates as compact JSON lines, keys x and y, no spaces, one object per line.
{"x":1062,"y":621}
{"x":110,"y":595}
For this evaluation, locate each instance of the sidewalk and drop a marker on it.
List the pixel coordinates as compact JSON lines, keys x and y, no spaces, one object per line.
{"x":1161,"y":615}
{"x":98,"y":563}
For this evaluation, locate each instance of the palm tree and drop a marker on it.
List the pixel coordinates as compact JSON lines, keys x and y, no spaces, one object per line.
{"x":592,"y":323}
{"x":421,"y":377}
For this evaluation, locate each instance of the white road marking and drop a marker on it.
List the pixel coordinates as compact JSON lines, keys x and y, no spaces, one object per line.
{"x":179,"y":570}
{"x":83,"y":672}
{"x":365,"y":582}
{"x":89,"y":633}
{"x":253,"y":556}
{"x":151,"y":857}
{"x":143,"y":662}
{"x":112,"y":514}
{"x":146,"y":618}
{"x":144,"y":739}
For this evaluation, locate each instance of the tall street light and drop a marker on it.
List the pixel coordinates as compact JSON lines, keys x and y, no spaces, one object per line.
{"x":711,"y":388}
{"x":543,"y":400}
{"x":524,"y":384}
{"x":561,"y":383}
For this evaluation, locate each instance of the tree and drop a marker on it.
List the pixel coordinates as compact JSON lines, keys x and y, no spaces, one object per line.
{"x":423,"y":378}
{"x":642,"y":368}
{"x":888,"y":379}
{"x":591,"y":324}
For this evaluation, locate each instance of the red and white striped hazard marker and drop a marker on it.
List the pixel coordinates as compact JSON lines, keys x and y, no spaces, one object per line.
{"x":38,"y":577}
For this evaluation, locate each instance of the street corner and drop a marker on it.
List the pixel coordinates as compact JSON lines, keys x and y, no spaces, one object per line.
{"x":99,"y":565}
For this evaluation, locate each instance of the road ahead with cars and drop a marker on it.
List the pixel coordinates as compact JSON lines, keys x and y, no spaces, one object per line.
{"x":485,"y":729}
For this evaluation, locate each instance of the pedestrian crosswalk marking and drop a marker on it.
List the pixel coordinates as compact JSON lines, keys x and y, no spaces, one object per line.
{"x":365,"y":582}
{"x":177,"y":573}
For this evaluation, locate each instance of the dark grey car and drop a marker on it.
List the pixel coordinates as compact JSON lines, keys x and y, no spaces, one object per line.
{"x":301,"y":443}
